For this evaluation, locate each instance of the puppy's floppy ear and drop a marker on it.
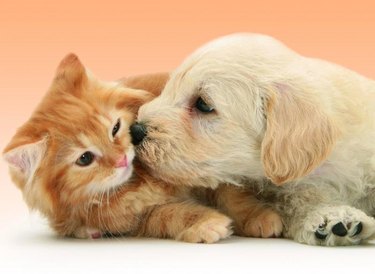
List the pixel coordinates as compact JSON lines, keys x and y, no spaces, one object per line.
{"x":298,"y":137}
{"x":153,"y":83}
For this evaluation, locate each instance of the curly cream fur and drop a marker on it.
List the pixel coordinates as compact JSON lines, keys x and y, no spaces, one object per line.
{"x":280,"y":119}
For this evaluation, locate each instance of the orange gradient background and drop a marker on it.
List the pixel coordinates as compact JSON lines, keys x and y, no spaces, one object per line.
{"x":120,"y":38}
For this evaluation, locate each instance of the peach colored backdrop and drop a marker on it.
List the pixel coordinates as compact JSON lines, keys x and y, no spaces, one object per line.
{"x":118,"y":38}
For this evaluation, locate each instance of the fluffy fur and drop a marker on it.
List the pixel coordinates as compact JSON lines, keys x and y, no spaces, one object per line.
{"x":279,"y":118}
{"x":113,"y":195}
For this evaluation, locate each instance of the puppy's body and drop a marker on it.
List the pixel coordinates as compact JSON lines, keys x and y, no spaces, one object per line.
{"x":278,"y":117}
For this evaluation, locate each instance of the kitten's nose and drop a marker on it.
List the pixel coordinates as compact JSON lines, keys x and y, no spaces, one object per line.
{"x":138,"y":132}
{"x":122,"y":162}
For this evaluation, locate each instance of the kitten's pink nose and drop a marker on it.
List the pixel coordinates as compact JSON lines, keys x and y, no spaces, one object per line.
{"x":122,"y":162}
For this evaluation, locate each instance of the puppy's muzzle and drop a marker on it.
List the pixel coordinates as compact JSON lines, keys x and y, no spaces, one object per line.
{"x":138,"y":132}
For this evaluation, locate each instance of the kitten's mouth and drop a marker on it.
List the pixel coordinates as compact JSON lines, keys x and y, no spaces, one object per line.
{"x":127,"y":167}
{"x":125,"y":177}
{"x":120,"y":178}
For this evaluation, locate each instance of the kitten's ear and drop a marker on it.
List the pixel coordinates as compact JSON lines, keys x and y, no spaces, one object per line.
{"x":141,"y":89}
{"x":71,"y":75}
{"x":153,"y":83}
{"x":133,"y":99}
{"x":24,"y":159}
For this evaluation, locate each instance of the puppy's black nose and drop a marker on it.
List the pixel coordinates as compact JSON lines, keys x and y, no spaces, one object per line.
{"x":138,"y":132}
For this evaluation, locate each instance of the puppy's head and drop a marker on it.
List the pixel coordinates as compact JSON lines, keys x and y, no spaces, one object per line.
{"x":227,"y":113}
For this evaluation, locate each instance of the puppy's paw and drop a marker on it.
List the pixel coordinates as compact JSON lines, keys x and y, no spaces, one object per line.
{"x":340,"y":225}
{"x":84,"y":232}
{"x":208,"y":231}
{"x":265,"y":225}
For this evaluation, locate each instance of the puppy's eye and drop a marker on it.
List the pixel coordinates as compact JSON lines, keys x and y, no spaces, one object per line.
{"x":202,"y":106}
{"x":85,"y":159}
{"x":116,"y":128}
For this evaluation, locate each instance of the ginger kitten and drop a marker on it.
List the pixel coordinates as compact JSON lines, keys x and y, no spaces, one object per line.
{"x":74,"y":162}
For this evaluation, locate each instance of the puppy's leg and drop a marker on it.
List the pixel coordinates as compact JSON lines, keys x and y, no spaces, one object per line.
{"x":331,"y":225}
{"x":317,"y":215}
{"x":186,"y":221}
{"x":252,"y":218}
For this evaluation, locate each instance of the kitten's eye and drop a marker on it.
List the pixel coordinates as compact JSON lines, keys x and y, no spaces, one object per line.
{"x":85,"y":159}
{"x":202,"y":106}
{"x":116,"y":128}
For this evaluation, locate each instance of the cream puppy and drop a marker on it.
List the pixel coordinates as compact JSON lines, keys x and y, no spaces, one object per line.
{"x":245,"y":109}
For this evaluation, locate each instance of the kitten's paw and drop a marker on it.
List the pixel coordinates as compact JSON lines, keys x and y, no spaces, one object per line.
{"x":208,"y":231}
{"x":265,"y":225}
{"x":340,"y":225}
{"x":84,"y":232}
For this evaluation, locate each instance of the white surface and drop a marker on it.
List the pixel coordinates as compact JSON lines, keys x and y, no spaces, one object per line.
{"x":28,"y":246}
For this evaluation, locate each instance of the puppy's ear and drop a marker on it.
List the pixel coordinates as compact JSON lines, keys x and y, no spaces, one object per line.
{"x":153,"y":83}
{"x":298,"y":137}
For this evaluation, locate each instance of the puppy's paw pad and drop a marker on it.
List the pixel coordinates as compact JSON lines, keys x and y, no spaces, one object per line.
{"x":208,"y":231}
{"x":266,"y":225}
{"x":341,"y":225}
{"x":339,"y":229}
{"x":357,"y":229}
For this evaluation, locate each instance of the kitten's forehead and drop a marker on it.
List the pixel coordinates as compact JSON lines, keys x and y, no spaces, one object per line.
{"x":99,"y":124}
{"x":104,"y":119}
{"x":108,"y":116}
{"x":85,"y":140}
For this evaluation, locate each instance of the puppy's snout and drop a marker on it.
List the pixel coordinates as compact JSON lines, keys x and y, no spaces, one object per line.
{"x":138,"y":132}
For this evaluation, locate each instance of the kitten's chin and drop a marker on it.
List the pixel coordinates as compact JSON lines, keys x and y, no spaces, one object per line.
{"x":120,"y":177}
{"x":123,"y":175}
{"x":127,"y":173}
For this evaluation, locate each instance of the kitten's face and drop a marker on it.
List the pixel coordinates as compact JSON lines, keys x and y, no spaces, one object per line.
{"x":97,"y":155}
{"x":76,"y":146}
